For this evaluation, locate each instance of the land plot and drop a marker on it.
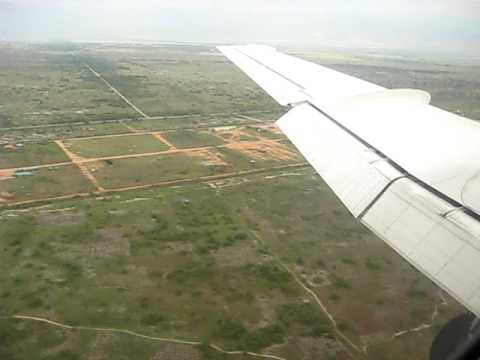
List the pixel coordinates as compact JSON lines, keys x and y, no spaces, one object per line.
{"x":45,"y":183}
{"x":155,"y":169}
{"x":252,"y":154}
{"x":30,"y":154}
{"x":192,"y":138}
{"x":116,"y":145}
{"x":271,"y":132}
{"x":110,"y":128}
{"x":235,"y":134}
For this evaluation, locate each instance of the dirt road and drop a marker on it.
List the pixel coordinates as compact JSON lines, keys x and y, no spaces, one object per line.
{"x":118,"y":93}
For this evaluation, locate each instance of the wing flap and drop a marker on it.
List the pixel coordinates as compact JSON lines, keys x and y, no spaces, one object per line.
{"x":438,"y":147}
{"x":431,"y":235}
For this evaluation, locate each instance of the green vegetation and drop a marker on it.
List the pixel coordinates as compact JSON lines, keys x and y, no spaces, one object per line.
{"x":31,"y":154}
{"x":118,"y":145}
{"x":46,"y":183}
{"x":39,"y":87}
{"x":304,"y":314}
{"x":190,"y":138}
{"x":152,"y":169}
{"x":174,"y":83}
{"x":50,"y":133}
{"x":254,"y":340}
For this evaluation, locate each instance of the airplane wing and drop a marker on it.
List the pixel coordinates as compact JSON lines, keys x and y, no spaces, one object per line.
{"x":407,"y":170}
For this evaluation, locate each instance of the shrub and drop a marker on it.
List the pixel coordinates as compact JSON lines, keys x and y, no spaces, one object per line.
{"x":262,"y":338}
{"x":230,"y":329}
{"x":152,"y":319}
{"x":300,"y":314}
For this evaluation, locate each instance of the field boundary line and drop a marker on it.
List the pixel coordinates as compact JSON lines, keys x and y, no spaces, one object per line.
{"x":82,"y":161}
{"x":77,"y":160}
{"x":130,"y":128}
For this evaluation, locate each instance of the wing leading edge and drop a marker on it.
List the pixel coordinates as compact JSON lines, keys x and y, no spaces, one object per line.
{"x":417,"y":189}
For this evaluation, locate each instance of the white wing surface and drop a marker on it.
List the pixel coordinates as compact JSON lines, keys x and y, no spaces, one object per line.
{"x":409,"y":171}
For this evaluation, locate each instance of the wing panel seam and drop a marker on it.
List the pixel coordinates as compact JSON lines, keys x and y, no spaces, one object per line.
{"x":434,"y":191}
{"x":379,"y":195}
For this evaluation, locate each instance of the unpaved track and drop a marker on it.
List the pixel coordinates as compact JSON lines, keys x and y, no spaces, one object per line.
{"x":349,"y":345}
{"x":417,"y":329}
{"x":162,"y":139}
{"x":77,"y":160}
{"x":251,"y":118}
{"x":138,"y":335}
{"x":131,"y":129}
{"x":80,"y":160}
{"x":160,"y":117}
{"x":178,"y":182}
{"x":132,"y":105}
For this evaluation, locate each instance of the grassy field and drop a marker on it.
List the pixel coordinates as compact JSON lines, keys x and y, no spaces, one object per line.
{"x":192,"y":138}
{"x":31,"y":154}
{"x":204,"y":262}
{"x":152,"y":169}
{"x":118,"y":145}
{"x":46,"y":183}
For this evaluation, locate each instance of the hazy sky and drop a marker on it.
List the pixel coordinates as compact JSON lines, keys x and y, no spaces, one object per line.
{"x":423,"y":24}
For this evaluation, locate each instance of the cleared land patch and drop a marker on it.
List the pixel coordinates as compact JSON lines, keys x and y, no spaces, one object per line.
{"x":30,"y":154}
{"x":152,"y":169}
{"x":234,"y":134}
{"x":116,"y":145}
{"x":192,"y":138}
{"x":44,"y":183}
{"x":265,"y":150}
